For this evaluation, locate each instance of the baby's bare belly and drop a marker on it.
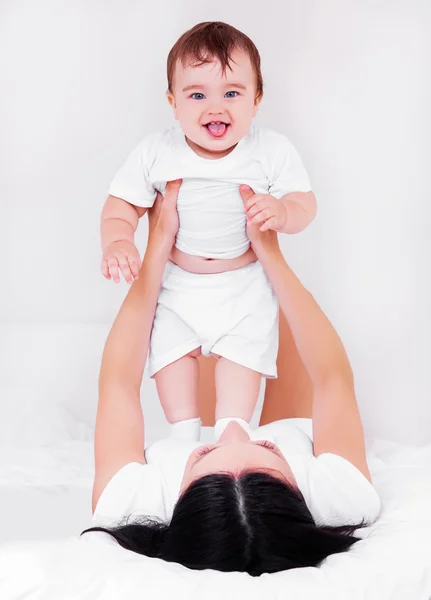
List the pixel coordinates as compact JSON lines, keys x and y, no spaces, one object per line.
{"x":198,"y":264}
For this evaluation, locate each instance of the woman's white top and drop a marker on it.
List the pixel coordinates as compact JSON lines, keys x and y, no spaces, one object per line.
{"x":210,"y":208}
{"x":335,"y":491}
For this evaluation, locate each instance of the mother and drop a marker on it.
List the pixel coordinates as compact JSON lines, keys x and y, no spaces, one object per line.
{"x":243,"y":504}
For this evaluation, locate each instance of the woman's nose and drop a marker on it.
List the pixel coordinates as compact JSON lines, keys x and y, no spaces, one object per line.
{"x":234,"y":432}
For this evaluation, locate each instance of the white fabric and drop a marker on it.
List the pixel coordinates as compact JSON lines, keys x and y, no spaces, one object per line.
{"x":189,"y":429}
{"x":210,"y":208}
{"x":334,"y":490}
{"x":45,"y":496}
{"x":233,"y":314}
{"x":221,"y":424}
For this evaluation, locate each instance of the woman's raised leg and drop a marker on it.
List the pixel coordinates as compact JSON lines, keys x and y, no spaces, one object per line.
{"x":207,"y":390}
{"x":291,"y":394}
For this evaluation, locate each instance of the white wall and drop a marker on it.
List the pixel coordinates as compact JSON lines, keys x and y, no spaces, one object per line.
{"x":348,"y":82}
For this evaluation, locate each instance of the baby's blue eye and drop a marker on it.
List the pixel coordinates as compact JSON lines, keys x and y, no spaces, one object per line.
{"x":200,"y":94}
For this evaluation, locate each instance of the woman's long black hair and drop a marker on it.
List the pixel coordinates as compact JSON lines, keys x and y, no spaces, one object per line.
{"x":254,"y":523}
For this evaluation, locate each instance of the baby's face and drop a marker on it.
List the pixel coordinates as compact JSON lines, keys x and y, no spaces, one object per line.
{"x":201,"y":94}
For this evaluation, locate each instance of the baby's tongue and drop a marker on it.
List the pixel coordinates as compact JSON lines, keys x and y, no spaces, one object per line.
{"x":217,"y":129}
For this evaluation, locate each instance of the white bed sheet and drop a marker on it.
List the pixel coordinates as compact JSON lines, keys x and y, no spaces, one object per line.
{"x":46,"y":495}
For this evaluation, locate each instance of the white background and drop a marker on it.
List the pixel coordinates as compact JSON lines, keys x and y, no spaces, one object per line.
{"x":348,"y":81}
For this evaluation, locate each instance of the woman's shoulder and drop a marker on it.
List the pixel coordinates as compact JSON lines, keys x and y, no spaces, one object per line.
{"x":335,"y":491}
{"x":285,"y":427}
{"x":135,"y":488}
{"x":293,"y":436}
{"x":151,"y":488}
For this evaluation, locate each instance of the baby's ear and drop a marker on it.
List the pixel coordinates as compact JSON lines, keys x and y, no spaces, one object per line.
{"x":246,"y":192}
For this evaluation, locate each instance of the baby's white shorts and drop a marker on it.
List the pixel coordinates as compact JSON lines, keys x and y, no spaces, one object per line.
{"x":233,"y":314}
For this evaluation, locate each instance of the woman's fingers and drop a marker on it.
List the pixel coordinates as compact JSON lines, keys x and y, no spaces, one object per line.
{"x":172,"y":189}
{"x":245,"y":192}
{"x":170,"y":198}
{"x":163,"y":217}
{"x":171,"y":193}
{"x":157,"y":203}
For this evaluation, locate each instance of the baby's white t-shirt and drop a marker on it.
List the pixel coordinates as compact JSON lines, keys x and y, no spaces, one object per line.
{"x":335,"y":491}
{"x":210,"y":208}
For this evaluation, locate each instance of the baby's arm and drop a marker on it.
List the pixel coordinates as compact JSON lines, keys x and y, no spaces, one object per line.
{"x":118,"y":224}
{"x":130,"y":194}
{"x":291,"y":213}
{"x":290,"y":205}
{"x":300,"y":208}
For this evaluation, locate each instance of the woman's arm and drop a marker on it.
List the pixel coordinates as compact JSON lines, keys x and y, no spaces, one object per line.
{"x":337,"y":426}
{"x":319,"y":345}
{"x":119,"y":432}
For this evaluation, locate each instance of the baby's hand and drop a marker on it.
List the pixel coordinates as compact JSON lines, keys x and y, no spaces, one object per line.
{"x":264,"y":208}
{"x":263,"y":243}
{"x":121,"y":255}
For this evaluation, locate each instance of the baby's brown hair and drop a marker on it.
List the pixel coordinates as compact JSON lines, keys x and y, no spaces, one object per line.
{"x":213,"y":40}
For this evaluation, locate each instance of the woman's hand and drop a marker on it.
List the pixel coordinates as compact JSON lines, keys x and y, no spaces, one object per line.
{"x":264,"y":243}
{"x":163,"y":222}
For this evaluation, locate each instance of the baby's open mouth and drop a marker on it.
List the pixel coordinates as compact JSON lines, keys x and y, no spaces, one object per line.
{"x":217,"y":129}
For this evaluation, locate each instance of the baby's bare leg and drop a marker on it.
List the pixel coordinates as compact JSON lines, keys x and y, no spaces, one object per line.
{"x":178,"y":388}
{"x":237,"y":390}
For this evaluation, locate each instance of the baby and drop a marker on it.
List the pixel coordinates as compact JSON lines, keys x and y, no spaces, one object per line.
{"x":215,"y":298}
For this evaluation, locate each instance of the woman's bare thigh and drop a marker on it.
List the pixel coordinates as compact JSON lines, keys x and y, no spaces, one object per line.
{"x":290,"y":395}
{"x":207,"y":391}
